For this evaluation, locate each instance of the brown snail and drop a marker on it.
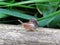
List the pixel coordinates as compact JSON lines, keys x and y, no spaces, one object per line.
{"x":31,"y":25}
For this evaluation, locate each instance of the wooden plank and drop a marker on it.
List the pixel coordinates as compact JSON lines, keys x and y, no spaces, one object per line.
{"x":12,"y":35}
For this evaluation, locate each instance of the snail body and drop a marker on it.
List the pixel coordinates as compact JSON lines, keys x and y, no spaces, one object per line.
{"x":31,"y":25}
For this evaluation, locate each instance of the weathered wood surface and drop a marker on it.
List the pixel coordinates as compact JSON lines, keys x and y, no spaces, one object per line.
{"x":13,"y":35}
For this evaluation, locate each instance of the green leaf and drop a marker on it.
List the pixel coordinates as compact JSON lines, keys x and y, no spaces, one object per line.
{"x":16,"y":13}
{"x":55,"y":22}
{"x":2,"y":0}
{"x":46,"y":9}
{"x":3,"y":15}
{"x":45,"y":22}
{"x":32,"y":1}
{"x":4,"y":3}
{"x":51,"y":16}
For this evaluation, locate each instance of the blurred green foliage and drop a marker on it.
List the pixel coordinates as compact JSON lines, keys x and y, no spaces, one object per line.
{"x":47,"y":12}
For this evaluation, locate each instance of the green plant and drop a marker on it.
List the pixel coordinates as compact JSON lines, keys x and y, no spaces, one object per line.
{"x":47,"y":11}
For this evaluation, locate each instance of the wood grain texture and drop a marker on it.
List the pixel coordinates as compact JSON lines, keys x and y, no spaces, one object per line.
{"x":13,"y":35}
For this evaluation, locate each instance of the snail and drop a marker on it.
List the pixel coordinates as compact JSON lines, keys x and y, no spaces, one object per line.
{"x":31,"y":25}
